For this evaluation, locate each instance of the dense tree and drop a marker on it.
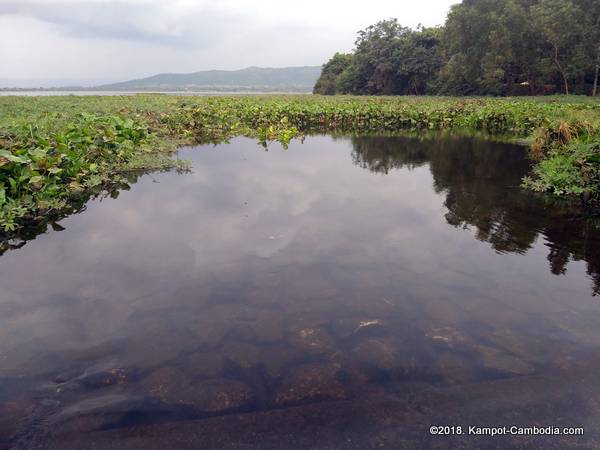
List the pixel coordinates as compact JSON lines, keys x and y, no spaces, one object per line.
{"x":388,"y":59}
{"x":375,"y":57}
{"x":419,"y":60}
{"x":486,"y":47}
{"x":329,"y":79}
{"x":490,"y":47}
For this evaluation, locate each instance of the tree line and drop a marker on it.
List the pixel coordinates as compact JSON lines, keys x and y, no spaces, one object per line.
{"x":485,"y":47}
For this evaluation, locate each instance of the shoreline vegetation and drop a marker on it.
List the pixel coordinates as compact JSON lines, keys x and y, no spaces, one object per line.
{"x":57,"y":152}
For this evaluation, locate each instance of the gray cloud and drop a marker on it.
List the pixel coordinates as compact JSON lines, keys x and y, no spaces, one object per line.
{"x":150,"y":22}
{"x":113,"y":40}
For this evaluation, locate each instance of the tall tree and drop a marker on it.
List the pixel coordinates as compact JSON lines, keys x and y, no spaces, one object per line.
{"x":560,"y":23}
{"x":490,"y":46}
{"x":376,"y":58}
{"x":417,"y":59}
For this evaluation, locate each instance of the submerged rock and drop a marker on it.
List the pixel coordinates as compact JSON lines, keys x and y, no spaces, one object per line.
{"x":100,"y":413}
{"x":166,"y":383}
{"x":375,"y":354}
{"x":455,"y":368}
{"x":448,"y":337}
{"x":241,"y":354}
{"x":204,"y":364}
{"x":350,"y":327}
{"x":67,"y":375}
{"x":314,"y":340}
{"x":310,"y":382}
{"x":172,"y":386}
{"x":492,"y":358}
{"x":92,"y":378}
{"x":276,"y":359}
{"x":522,"y":346}
{"x":103,"y":378}
{"x":220,"y":395}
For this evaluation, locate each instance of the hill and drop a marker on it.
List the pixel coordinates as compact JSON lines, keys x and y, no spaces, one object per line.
{"x":294,"y":79}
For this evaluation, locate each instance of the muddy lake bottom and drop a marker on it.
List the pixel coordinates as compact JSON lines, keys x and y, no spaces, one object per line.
{"x":348,"y":292}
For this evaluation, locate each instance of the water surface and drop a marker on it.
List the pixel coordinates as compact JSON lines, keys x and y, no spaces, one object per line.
{"x":101,"y":93}
{"x":343,"y":293}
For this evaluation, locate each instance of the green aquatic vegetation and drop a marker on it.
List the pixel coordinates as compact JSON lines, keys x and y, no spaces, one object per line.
{"x":558,"y":174}
{"x":10,"y":212}
{"x":56,"y":150}
{"x":40,"y":169}
{"x":572,"y":169}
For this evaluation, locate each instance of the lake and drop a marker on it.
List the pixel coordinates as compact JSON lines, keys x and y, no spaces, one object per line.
{"x":348,"y":292}
{"x":84,"y":93}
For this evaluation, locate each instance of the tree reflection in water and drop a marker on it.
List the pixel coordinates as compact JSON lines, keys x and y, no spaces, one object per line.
{"x":481,"y":183}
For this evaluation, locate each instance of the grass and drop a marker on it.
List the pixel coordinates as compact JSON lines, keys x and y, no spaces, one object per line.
{"x":57,"y":151}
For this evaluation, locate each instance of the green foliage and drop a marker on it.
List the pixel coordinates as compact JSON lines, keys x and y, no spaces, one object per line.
{"x":557,"y":174}
{"x":389,"y":59}
{"x":10,"y":212}
{"x":330,"y":81}
{"x":41,"y":169}
{"x":486,"y":47}
{"x":572,"y":168}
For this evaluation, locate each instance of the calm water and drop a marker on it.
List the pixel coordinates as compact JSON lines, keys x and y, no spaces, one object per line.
{"x":345,"y":293}
{"x":61,"y":93}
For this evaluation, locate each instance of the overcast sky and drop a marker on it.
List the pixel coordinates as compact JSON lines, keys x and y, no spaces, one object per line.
{"x":112,"y":40}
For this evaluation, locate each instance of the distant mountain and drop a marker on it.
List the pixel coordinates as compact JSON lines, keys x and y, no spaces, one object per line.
{"x":285,"y":79}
